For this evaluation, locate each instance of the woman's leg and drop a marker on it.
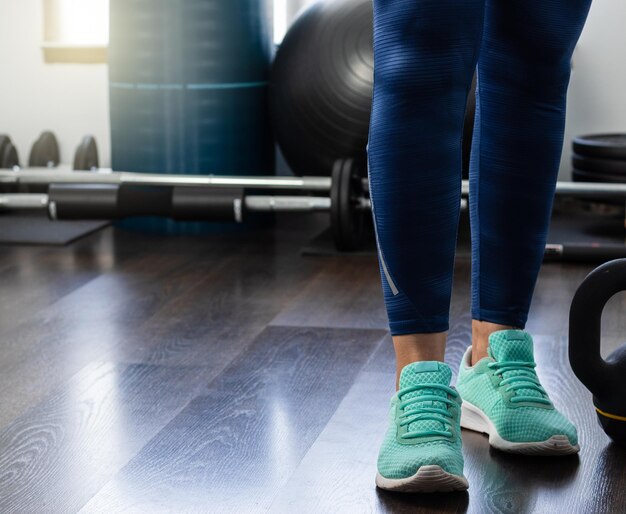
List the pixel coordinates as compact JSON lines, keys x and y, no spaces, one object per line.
{"x":425,"y":52}
{"x":523,"y":75}
{"x":425,"y":55}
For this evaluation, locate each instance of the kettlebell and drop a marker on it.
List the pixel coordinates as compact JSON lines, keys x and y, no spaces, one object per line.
{"x":606,"y":379}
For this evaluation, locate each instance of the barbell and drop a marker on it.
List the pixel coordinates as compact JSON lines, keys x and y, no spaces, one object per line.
{"x":106,"y":194}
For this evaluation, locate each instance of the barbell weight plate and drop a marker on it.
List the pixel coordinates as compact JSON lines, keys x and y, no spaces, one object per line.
{"x":45,"y":152}
{"x":335,"y":198}
{"x":586,"y":176}
{"x":9,"y":158}
{"x":357,"y":213}
{"x":86,"y":156}
{"x":595,"y":165}
{"x":347,"y":218}
{"x":603,"y":146}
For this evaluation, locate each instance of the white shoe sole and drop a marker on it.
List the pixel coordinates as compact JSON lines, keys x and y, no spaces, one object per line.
{"x":475,"y":419}
{"x":428,"y":479}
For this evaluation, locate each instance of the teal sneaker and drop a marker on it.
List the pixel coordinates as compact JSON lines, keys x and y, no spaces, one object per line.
{"x":421,"y":451}
{"x":502,"y":397}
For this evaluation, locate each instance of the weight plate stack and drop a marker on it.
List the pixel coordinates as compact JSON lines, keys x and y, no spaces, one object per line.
{"x":603,"y":146}
{"x":599,"y":158}
{"x":599,"y":165}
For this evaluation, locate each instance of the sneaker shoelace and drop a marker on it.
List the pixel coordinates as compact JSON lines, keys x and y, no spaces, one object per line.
{"x":524,"y":378}
{"x":427,"y":412}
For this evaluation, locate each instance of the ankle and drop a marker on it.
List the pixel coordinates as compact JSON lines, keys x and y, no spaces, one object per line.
{"x":418,"y":347}
{"x":481,"y":330}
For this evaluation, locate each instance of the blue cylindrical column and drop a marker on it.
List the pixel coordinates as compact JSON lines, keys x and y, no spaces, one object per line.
{"x":188,"y":86}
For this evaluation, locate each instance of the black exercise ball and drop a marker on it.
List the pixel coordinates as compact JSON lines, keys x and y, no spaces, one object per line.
{"x":321,"y":87}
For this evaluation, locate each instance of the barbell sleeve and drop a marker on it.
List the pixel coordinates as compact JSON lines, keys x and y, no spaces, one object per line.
{"x":19,"y":201}
{"x":262,"y":203}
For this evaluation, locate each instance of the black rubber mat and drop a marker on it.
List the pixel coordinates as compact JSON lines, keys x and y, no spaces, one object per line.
{"x":36,"y":229}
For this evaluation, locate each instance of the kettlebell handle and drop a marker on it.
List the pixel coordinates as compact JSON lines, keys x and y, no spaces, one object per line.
{"x":585,"y":319}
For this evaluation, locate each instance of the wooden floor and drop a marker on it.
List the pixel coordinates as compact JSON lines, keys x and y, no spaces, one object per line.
{"x":230,"y":374}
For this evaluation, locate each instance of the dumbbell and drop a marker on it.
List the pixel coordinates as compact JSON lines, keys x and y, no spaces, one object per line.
{"x":45,"y":152}
{"x":86,"y":155}
{"x":8,"y":153}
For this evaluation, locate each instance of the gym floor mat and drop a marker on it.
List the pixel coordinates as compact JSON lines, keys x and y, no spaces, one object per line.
{"x":35,"y":229}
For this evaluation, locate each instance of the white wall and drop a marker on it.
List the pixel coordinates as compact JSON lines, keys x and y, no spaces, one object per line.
{"x":70,"y":99}
{"x":597,"y":94}
{"x":295,"y":6}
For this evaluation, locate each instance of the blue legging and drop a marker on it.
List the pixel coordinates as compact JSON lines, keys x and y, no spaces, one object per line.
{"x":426,"y":52}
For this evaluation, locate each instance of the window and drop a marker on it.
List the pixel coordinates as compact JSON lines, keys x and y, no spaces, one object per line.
{"x":280,"y":20}
{"x":76,"y":30}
